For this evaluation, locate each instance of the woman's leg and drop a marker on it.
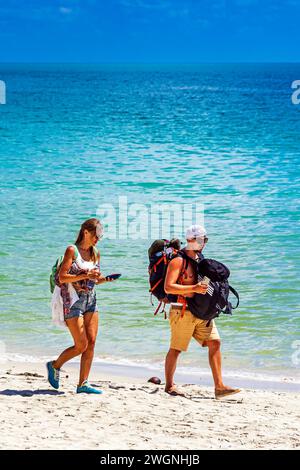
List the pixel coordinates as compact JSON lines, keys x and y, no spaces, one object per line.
{"x":77,"y":330}
{"x":91,"y":327}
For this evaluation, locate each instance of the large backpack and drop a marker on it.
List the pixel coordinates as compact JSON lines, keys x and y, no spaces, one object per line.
{"x":160,"y":253}
{"x":216,"y":300}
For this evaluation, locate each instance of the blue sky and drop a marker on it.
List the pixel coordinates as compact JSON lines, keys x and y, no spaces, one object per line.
{"x":149,"y":31}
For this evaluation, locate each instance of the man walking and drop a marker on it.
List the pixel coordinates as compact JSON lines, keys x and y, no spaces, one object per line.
{"x":182,"y":281}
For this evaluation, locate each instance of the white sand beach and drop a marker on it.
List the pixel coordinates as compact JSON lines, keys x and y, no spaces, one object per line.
{"x":135,"y":414}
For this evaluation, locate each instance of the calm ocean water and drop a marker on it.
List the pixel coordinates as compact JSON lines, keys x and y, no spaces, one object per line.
{"x":76,"y":137}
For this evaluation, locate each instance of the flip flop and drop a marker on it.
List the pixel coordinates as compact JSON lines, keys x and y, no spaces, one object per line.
{"x":175,"y":392}
{"x":225,"y":393}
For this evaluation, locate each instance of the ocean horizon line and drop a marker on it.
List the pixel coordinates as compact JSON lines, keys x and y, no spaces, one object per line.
{"x":187,"y":64}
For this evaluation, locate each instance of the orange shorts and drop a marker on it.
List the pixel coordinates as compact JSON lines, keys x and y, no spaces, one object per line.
{"x":183,"y":329}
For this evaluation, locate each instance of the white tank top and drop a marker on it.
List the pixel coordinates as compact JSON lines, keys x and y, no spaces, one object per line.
{"x":83,"y":264}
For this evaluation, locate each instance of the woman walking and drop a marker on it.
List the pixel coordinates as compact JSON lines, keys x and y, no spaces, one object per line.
{"x":80,"y":270}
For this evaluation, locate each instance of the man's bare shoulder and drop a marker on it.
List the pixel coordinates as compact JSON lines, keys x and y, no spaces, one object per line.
{"x":176,"y":262}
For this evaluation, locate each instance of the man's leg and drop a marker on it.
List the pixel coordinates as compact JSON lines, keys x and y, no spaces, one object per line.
{"x":170,"y":367}
{"x":182,"y":329}
{"x":215,"y":362}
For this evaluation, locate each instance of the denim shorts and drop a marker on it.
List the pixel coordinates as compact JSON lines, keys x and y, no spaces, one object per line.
{"x":86,"y":303}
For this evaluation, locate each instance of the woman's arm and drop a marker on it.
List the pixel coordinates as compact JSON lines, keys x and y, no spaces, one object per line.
{"x":101,"y":279}
{"x":63,"y":276}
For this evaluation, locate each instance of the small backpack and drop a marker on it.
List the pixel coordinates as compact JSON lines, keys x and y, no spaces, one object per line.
{"x":216,"y":300}
{"x":55,"y":269}
{"x":160,"y":253}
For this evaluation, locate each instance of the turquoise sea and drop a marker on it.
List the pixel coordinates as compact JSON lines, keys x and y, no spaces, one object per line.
{"x":75,"y":138}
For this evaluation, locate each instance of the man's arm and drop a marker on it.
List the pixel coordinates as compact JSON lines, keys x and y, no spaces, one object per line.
{"x":173,"y":273}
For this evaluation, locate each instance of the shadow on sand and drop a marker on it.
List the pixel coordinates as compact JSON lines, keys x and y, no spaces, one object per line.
{"x":29,"y":393}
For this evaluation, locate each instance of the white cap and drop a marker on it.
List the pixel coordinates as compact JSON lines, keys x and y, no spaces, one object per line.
{"x":195,"y":231}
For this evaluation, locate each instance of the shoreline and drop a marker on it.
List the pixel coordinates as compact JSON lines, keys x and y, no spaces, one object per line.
{"x":199,"y":378}
{"x":262,"y":380}
{"x":135,"y":414}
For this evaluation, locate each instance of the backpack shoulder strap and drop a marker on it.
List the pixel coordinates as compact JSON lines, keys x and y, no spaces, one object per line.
{"x":237,"y":296}
{"x":185,"y":259}
{"x":182,"y":298}
{"x":184,"y":267}
{"x":185,"y":263}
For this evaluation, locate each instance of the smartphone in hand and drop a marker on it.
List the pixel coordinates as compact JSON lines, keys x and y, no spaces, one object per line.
{"x":112,"y":277}
{"x":205,"y":280}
